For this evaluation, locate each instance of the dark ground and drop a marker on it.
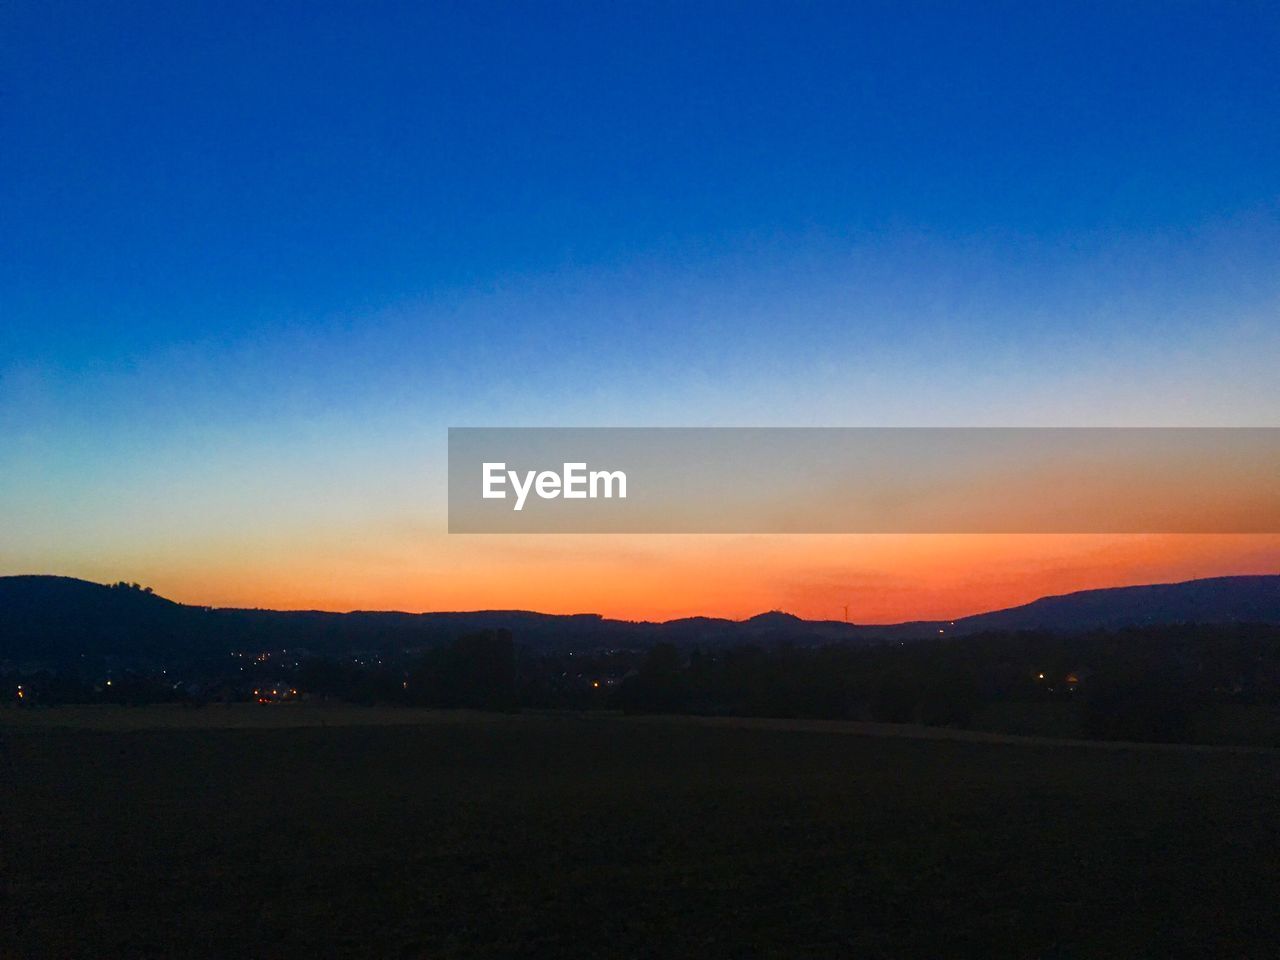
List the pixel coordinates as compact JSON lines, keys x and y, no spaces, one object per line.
{"x":396,"y":834}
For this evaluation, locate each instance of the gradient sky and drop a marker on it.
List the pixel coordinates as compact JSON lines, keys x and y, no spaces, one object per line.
{"x":256,"y":258}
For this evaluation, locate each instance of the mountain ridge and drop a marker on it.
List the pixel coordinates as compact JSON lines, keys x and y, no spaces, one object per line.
{"x":60,"y":617}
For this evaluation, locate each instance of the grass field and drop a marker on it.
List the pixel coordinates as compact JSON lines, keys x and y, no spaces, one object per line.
{"x":311,"y":832}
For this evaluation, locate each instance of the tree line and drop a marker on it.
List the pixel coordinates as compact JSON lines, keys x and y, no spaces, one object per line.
{"x":1140,"y":683}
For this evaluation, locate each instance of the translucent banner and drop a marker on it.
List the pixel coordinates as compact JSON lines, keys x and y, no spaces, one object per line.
{"x":864,"y":480}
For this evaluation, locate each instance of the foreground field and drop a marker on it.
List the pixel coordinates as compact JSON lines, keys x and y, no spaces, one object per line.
{"x":304,"y":832}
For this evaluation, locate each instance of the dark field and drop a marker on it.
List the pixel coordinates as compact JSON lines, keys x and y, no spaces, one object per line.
{"x":400,"y":834}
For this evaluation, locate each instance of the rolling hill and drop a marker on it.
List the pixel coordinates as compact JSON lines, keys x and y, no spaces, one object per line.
{"x":49,"y":618}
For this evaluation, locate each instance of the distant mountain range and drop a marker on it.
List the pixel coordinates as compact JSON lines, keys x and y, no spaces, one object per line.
{"x":52,"y":619}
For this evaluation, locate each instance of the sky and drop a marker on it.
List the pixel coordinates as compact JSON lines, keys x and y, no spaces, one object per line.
{"x":257,"y":258}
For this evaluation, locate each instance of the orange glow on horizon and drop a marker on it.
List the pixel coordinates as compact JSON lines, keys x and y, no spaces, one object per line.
{"x":882,"y":578}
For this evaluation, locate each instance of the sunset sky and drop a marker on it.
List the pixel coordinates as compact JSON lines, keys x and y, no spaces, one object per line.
{"x":257,"y":258}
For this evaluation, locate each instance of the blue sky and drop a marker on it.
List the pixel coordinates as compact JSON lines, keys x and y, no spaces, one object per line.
{"x":187,"y":170}
{"x":256,"y":257}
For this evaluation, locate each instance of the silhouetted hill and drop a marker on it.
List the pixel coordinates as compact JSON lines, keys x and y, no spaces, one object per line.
{"x":58,"y":618}
{"x":44,"y":618}
{"x":1215,"y":600}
